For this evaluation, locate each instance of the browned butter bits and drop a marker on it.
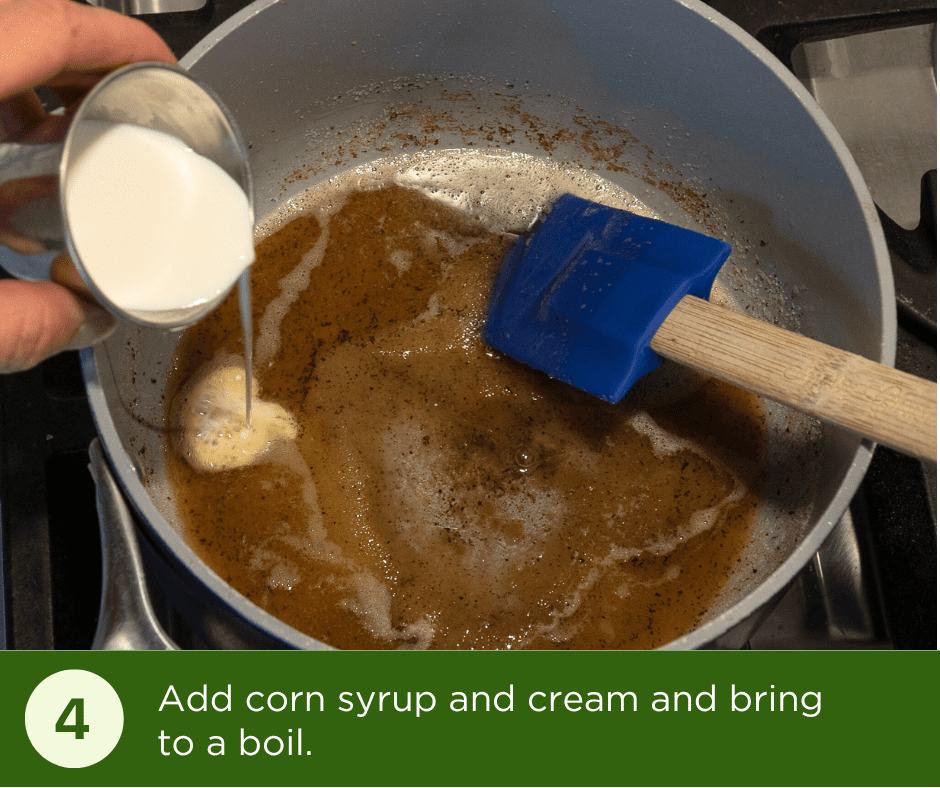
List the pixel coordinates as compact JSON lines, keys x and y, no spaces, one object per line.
{"x":439,"y":495}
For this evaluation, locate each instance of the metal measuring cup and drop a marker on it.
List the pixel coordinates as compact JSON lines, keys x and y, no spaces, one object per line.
{"x":34,"y":220}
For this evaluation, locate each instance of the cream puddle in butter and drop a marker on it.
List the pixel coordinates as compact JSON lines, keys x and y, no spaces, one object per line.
{"x":215,"y":434}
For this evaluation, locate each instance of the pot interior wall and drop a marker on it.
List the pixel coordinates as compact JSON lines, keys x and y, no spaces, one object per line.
{"x":652,"y":95}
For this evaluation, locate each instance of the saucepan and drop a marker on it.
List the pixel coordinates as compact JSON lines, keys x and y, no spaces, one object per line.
{"x":667,"y":99}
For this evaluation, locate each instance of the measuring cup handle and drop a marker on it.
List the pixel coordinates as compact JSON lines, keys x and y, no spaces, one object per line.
{"x":31,"y":226}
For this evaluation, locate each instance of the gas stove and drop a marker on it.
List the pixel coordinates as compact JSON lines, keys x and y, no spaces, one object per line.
{"x":871,"y":65}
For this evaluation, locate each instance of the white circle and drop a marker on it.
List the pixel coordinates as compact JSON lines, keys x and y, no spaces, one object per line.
{"x":74,"y":718}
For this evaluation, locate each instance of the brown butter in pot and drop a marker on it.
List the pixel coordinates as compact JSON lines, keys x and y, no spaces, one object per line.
{"x":439,"y":495}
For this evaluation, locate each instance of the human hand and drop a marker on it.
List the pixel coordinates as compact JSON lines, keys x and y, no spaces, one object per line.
{"x":66,"y":47}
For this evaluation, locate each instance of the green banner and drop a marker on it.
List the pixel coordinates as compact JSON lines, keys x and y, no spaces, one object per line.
{"x":578,"y":718}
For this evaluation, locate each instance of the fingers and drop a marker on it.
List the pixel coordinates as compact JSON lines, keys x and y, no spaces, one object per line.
{"x":67,"y":46}
{"x":19,"y":114}
{"x":39,"y":320}
{"x":53,"y":41}
{"x":71,"y":85}
{"x":64,"y":272}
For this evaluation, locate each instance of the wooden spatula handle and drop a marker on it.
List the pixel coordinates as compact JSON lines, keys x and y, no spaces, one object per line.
{"x":891,"y":407}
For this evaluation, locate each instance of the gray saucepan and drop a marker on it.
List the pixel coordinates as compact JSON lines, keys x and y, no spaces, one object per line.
{"x":666,"y":98}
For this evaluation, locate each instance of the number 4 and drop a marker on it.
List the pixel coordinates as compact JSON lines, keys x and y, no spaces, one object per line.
{"x":79,"y":728}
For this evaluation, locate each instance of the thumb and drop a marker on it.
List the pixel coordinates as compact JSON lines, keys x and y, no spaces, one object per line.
{"x":37,"y":320}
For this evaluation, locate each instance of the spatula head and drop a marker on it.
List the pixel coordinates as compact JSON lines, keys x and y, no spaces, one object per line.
{"x":581,"y":295}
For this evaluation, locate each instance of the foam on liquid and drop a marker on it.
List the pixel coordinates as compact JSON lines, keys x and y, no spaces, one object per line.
{"x":437,"y":494}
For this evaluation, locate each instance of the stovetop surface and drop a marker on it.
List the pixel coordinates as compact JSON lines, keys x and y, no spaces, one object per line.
{"x":872,"y":586}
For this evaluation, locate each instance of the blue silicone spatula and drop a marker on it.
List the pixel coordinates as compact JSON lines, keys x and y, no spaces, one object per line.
{"x":594,"y":296}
